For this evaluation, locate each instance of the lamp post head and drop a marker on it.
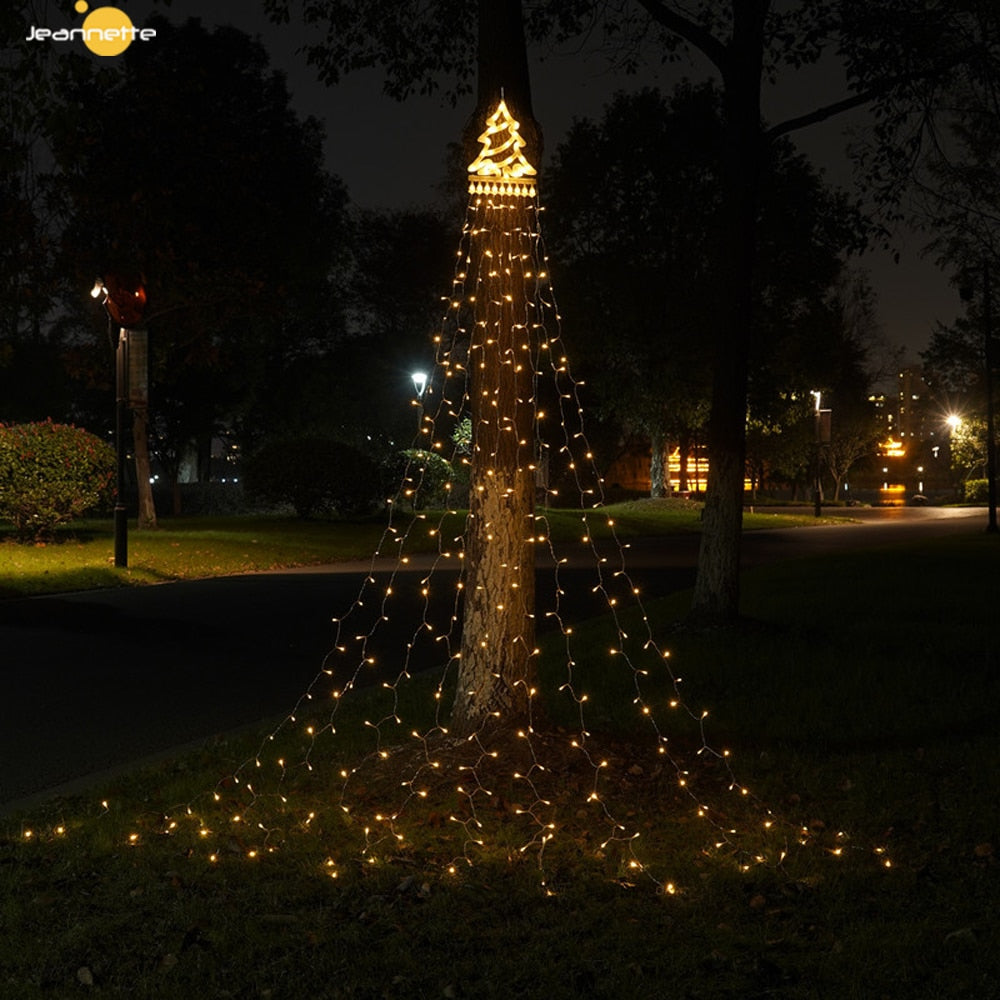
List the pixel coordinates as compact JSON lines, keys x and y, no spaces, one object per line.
{"x":126,"y":299}
{"x":419,"y":383}
{"x":123,"y":295}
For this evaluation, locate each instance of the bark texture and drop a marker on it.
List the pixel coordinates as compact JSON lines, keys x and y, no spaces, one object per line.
{"x":497,"y":667}
{"x":716,"y":592}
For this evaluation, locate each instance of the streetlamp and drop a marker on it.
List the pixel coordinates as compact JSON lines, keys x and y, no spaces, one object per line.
{"x":124,"y":300}
{"x":419,"y":385}
{"x":821,"y":422}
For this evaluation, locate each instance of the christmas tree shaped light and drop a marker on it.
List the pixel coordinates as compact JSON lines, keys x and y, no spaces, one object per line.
{"x":501,"y":165}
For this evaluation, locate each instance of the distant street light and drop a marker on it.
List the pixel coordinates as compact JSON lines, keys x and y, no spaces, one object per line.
{"x":124,"y":300}
{"x":821,"y":420}
{"x":419,"y":385}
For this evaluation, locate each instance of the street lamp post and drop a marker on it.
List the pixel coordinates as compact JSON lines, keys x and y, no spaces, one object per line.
{"x":121,"y":404}
{"x":124,"y":300}
{"x":821,"y":422}
{"x":419,"y":385}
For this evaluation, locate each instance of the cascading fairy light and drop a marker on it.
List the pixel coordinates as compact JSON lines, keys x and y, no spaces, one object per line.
{"x":428,"y":756}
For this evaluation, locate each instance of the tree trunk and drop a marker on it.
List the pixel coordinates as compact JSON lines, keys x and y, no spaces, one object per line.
{"x":497,"y":668}
{"x":498,"y":635}
{"x":659,"y":471}
{"x":716,"y":592}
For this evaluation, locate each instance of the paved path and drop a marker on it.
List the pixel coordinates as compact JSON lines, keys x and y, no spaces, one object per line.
{"x":94,"y":681}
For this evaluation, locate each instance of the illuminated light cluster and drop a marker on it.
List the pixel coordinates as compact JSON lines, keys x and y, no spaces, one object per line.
{"x":509,"y":187}
{"x":501,"y":277}
{"x":501,"y":167}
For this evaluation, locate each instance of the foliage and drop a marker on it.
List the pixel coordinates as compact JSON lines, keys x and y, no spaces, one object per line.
{"x":953,"y":361}
{"x":314,"y":475}
{"x":399,"y":263}
{"x":49,"y":474}
{"x":425,"y":479}
{"x":33,"y":380}
{"x":899,"y":61}
{"x":957,"y":191}
{"x":636,"y":235}
{"x":854,"y":437}
{"x":632,"y":231}
{"x":968,"y":447}
{"x":239,"y":231}
{"x":975,"y":491}
{"x":403,"y":261}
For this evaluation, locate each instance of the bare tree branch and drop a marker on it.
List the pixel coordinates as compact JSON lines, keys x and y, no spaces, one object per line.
{"x":690,"y":31}
{"x":866,"y":96}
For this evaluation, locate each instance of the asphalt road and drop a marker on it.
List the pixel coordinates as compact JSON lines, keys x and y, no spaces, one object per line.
{"x":94,"y":681}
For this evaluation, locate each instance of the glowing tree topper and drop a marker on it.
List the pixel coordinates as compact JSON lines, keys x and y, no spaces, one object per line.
{"x":501,"y":167}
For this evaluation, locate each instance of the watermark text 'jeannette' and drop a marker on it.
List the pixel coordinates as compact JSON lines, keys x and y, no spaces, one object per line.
{"x":129,"y":34}
{"x":106,"y":31}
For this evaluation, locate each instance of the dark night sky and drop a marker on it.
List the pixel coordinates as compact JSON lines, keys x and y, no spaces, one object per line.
{"x":391,"y":154}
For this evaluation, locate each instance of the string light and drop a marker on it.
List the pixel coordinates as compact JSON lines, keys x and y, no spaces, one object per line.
{"x":501,"y":278}
{"x":501,"y":167}
{"x":507,"y":788}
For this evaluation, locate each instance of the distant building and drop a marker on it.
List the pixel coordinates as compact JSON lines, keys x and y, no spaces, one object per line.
{"x":913,"y":453}
{"x":914,"y":397}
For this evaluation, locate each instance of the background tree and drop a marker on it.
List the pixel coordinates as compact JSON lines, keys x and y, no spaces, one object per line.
{"x":237,"y":231}
{"x":33,"y":379}
{"x":953,"y":361}
{"x":899,"y":61}
{"x":403,"y":262}
{"x":969,"y":449}
{"x":634,"y":203}
{"x":959,"y":201}
{"x":635,"y":232}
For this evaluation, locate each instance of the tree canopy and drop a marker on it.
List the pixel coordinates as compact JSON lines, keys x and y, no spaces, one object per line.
{"x":184,"y":162}
{"x":898,"y":60}
{"x":634,"y":232}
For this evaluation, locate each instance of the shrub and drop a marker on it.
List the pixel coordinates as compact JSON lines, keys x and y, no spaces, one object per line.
{"x":314,"y":475}
{"x":49,"y":474}
{"x":975,"y":491}
{"x":424,"y":479}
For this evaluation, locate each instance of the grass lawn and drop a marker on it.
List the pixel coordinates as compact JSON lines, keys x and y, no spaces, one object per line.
{"x":81,"y":556}
{"x":860,"y":698}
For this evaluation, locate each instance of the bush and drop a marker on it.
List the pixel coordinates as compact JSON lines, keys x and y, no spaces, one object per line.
{"x":49,"y":474}
{"x":314,"y":475}
{"x":424,"y":479}
{"x":975,"y":491}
